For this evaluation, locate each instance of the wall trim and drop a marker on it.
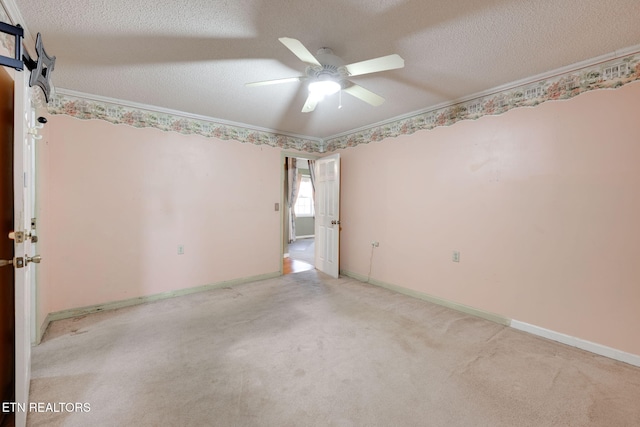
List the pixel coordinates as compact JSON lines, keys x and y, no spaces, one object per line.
{"x":426,"y":297}
{"x":12,"y":12}
{"x":85,"y":106}
{"x":609,"y":71}
{"x":592,"y":347}
{"x":589,"y":346}
{"x":9,"y":12}
{"x":113,"y":305}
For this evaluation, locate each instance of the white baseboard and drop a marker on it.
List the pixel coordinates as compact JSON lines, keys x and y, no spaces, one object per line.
{"x":600,"y":349}
{"x":592,"y":347}
{"x":436,"y":300}
{"x":43,"y":329}
{"x":75,"y":312}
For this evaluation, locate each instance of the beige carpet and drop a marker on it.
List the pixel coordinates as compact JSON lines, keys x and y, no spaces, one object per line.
{"x":303,"y":250}
{"x":307,"y":350}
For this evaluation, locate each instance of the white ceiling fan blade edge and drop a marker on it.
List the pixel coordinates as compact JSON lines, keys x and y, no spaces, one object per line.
{"x":310,"y":104}
{"x":276,"y":81}
{"x":365,"y":95}
{"x":375,"y":65}
{"x":299,"y":50}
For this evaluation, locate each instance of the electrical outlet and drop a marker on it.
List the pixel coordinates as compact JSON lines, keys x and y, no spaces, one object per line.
{"x":456,"y":256}
{"x":180,"y":249}
{"x":375,"y":244}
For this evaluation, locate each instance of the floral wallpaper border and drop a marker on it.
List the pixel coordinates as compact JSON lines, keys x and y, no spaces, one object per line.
{"x":606,"y":75}
{"x":86,"y":109}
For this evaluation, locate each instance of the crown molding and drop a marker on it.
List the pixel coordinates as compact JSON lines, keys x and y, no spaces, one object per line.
{"x":168,"y":111}
{"x":15,"y":17}
{"x":85,"y":106}
{"x":558,"y":72}
{"x":608,"y":71}
{"x":560,"y":84}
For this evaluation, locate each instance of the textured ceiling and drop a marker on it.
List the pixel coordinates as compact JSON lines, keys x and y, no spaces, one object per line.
{"x":196,"y":55}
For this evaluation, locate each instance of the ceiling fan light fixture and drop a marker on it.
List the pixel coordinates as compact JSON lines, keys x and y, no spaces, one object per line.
{"x":327,"y":74}
{"x":322,"y":88}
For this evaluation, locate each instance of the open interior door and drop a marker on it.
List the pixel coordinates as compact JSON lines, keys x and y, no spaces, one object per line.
{"x":7,"y":279}
{"x":327,"y":224}
{"x":23,"y":154}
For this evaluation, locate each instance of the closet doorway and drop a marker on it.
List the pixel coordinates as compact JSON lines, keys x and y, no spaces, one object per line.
{"x":299,"y":215}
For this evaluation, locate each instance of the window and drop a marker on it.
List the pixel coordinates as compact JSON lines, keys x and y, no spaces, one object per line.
{"x":304,"y":205}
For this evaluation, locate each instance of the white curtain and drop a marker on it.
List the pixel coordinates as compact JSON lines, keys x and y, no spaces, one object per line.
{"x":293,"y":187}
{"x":312,"y":173}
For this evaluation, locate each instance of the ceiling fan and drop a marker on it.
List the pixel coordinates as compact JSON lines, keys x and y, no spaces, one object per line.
{"x":327,"y":74}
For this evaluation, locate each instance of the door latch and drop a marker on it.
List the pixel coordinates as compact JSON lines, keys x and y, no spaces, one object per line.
{"x":335,"y":222}
{"x":19,"y":236}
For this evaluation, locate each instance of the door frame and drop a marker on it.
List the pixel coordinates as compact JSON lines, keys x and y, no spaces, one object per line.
{"x":283,"y":208}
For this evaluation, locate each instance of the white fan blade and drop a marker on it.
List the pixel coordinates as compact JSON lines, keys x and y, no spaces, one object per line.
{"x":299,"y":50}
{"x":277,"y":81}
{"x":365,"y":95}
{"x":310,"y":104}
{"x":384,"y":63}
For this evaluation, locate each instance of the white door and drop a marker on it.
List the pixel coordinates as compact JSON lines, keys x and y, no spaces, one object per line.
{"x":327,"y":206}
{"x":24,"y":150}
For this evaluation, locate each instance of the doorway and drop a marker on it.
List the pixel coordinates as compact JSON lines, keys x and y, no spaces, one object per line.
{"x":7,"y":273}
{"x":299,"y":237}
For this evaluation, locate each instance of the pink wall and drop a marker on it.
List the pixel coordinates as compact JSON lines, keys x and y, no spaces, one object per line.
{"x":542,"y":203}
{"x":118,"y":201}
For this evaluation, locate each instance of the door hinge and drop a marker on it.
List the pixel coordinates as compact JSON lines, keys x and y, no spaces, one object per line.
{"x":33,"y":223}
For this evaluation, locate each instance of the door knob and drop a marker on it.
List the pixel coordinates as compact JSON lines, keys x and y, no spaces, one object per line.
{"x":16,"y":262}
{"x":35,"y":258}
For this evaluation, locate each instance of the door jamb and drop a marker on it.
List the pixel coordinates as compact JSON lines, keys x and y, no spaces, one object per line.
{"x":284,"y":154}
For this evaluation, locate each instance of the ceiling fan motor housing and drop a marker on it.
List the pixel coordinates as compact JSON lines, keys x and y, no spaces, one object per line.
{"x":332,"y":67}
